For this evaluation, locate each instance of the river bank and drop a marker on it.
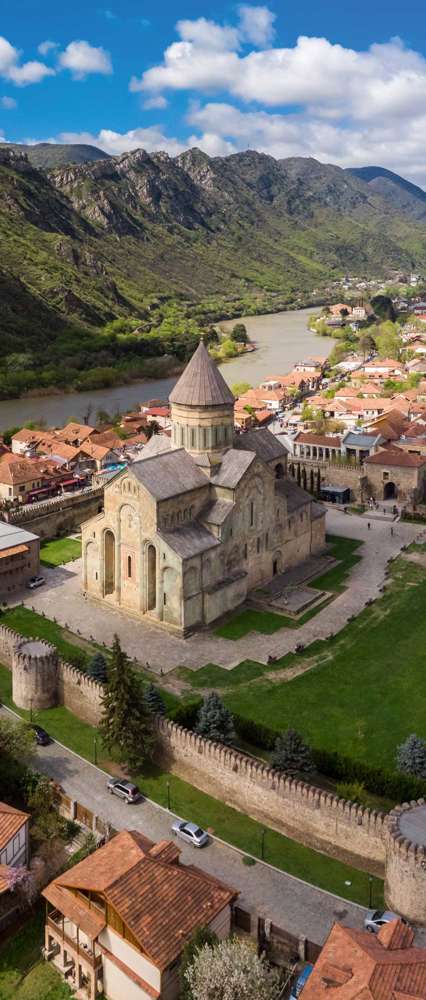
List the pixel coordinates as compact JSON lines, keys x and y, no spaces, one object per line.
{"x":281,"y":339}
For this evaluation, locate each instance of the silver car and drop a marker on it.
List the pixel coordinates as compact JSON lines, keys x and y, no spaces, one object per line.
{"x":375,"y":919}
{"x":190,"y":832}
{"x":124,"y":789}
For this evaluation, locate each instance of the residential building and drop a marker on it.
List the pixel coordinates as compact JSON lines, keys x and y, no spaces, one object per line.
{"x":117,"y":922}
{"x":19,"y":557}
{"x":355,"y":965}
{"x":27,"y":478}
{"x":14,"y":837}
{"x":395,"y":474}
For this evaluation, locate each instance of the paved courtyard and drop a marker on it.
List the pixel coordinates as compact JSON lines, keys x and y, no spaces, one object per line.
{"x":162,"y":651}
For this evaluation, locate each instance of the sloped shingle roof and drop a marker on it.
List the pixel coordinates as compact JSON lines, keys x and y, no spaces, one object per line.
{"x":202,"y":384}
{"x":169,"y":474}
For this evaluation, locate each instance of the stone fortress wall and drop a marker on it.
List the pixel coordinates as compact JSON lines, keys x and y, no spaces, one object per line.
{"x":368,"y":839}
{"x":58,"y":516}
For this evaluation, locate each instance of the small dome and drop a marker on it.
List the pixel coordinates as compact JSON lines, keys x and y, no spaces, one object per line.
{"x":201,"y":384}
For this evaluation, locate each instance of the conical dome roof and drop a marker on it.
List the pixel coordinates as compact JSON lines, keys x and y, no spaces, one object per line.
{"x":201,"y":384}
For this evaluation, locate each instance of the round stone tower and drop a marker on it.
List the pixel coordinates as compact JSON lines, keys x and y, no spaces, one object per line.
{"x":405,"y":885}
{"x":35,"y":675}
{"x":202,"y":409}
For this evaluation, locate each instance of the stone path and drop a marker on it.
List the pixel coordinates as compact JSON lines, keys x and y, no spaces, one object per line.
{"x":162,"y":652}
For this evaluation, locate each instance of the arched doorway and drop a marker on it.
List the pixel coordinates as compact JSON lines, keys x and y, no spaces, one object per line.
{"x":109,"y":562}
{"x":389,"y":491}
{"x":279,"y":471}
{"x":152,"y":577}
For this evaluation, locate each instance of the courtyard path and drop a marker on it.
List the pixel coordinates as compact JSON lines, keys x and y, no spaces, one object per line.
{"x":162,"y":651}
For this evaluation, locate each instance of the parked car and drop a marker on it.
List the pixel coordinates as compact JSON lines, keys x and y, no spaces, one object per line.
{"x":42,"y":738}
{"x":375,"y":919}
{"x":301,"y":982}
{"x":124,"y":789}
{"x":190,"y":832}
{"x":36,"y":581}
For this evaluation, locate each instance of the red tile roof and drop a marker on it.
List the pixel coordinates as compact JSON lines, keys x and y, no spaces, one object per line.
{"x":321,"y":439}
{"x":397,"y":459}
{"x":11,"y":821}
{"x":355,"y":965}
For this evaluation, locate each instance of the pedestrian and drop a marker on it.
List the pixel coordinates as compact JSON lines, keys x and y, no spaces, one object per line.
{"x":369,"y":526}
{"x":392,"y":530}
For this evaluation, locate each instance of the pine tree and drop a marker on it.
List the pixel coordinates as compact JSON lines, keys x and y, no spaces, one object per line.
{"x":154,"y":701}
{"x":97,"y":668}
{"x":126,"y":725}
{"x":215,"y":722}
{"x":411,"y":756}
{"x":291,"y":754}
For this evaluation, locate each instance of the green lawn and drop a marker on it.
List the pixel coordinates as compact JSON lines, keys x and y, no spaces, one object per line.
{"x":369,"y":691}
{"x":23,"y":975}
{"x":59,"y":550}
{"x":187,"y":801}
{"x":213,"y":676}
{"x":251,"y":620}
{"x":33,"y":625}
{"x":343,"y":549}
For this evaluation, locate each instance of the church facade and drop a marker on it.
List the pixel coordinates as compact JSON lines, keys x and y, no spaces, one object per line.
{"x":202,"y":518}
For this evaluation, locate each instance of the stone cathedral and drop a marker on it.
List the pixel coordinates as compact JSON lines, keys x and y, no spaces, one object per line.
{"x":202,"y":517}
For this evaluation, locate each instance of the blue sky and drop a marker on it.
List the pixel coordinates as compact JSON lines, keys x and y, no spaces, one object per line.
{"x":345,"y":82}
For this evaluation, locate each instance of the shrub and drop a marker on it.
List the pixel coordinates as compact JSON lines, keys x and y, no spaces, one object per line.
{"x":292,"y":754}
{"x":411,"y":756}
{"x":354,"y":791}
{"x":154,"y":701}
{"x":215,"y":722}
{"x":97,"y":668}
{"x":186,"y":714}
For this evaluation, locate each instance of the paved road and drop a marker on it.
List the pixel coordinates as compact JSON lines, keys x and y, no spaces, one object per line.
{"x":144,"y":641}
{"x":292,"y":904}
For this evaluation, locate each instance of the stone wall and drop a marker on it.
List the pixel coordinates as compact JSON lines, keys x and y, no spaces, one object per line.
{"x":58,"y":516}
{"x":321,"y":820}
{"x":405,"y":886}
{"x":352,"y":477}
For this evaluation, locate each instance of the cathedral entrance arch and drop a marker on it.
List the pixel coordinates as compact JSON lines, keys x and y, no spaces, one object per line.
{"x":279,"y":471}
{"x":276,"y":563}
{"x":109,"y":562}
{"x":152,"y":577}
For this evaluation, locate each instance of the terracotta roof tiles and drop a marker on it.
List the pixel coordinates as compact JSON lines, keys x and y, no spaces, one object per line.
{"x":11,"y":820}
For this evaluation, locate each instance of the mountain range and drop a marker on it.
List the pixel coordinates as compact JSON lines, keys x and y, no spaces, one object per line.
{"x":88,"y":237}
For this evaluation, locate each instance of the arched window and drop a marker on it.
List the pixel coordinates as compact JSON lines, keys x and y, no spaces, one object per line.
{"x":129,"y":567}
{"x":251,"y":513}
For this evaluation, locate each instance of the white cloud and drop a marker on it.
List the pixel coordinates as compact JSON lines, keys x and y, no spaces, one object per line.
{"x":81,"y":58}
{"x":256,"y":25}
{"x":151,"y":139}
{"x":8,"y":103}
{"x":207,"y":34}
{"x":20,"y":74}
{"x":45,"y":47}
{"x":155,"y":102}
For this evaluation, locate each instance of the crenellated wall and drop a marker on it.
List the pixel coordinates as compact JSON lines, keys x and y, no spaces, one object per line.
{"x":303,"y":812}
{"x":405,"y":886}
{"x":58,"y":516}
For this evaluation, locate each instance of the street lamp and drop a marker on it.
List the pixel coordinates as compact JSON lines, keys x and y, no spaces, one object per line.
{"x":370,"y":891}
{"x":95,"y":754}
{"x":168,"y":794}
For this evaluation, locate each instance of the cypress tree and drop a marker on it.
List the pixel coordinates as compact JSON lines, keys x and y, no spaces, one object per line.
{"x":411,"y":756}
{"x":292,"y":754}
{"x":215,"y":722}
{"x":154,"y":701}
{"x":97,"y":668}
{"x":126,"y":725}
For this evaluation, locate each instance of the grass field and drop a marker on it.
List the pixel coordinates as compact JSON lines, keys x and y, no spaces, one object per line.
{"x":187,"y":801}
{"x":369,"y":691}
{"x":59,"y":550}
{"x":33,"y":625}
{"x":23,"y":974}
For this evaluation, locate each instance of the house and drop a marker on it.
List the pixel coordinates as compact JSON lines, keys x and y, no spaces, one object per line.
{"x":76,"y":434}
{"x":19,"y":557}
{"x":318,"y":446}
{"x":359,"y":446}
{"x":97,"y":456}
{"x":395,"y":474}
{"x":420,"y":309}
{"x":14,"y":837}
{"x":384,"y":368}
{"x":340,"y":309}
{"x":355,"y":965}
{"x":117,"y":922}
{"x":27,"y":478}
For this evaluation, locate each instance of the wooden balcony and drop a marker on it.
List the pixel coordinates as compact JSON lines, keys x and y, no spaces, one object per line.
{"x":79,"y":951}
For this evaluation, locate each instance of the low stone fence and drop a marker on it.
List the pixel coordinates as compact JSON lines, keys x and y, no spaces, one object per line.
{"x":319,"y":819}
{"x":58,"y":516}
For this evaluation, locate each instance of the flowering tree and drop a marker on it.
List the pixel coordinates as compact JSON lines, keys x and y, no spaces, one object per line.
{"x":231,"y":970}
{"x":21,"y":881}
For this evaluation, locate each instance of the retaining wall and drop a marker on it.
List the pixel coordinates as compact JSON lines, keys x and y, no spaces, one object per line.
{"x":319,"y":819}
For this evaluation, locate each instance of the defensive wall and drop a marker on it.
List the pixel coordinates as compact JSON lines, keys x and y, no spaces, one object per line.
{"x":351,"y":476}
{"x":358,"y":835}
{"x":58,"y":516}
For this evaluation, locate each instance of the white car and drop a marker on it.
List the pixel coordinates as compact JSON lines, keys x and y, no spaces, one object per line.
{"x":375,"y":919}
{"x":35,"y":581}
{"x":190,"y":832}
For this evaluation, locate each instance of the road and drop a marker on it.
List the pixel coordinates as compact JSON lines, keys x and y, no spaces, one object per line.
{"x":290,"y":903}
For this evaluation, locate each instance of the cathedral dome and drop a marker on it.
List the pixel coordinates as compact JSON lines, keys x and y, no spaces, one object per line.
{"x":202,"y":384}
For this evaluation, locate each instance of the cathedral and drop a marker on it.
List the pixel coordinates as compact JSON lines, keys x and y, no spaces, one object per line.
{"x":202,"y":518}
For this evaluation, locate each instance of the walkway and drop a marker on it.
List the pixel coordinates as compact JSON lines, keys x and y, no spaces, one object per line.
{"x":147,"y":643}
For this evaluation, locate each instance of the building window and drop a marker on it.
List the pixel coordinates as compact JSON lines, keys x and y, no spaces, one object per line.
{"x":251,"y":513}
{"x":258,"y":544}
{"x":192,"y":437}
{"x":267,"y":539}
{"x":245,"y":551}
{"x":129,"y":567}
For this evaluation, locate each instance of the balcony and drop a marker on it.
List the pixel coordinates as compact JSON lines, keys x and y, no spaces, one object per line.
{"x":64,"y":933}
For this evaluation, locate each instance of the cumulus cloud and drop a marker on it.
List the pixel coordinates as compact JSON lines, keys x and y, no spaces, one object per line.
{"x":8,"y":103}
{"x":151,"y":139}
{"x":45,"y":47}
{"x":21,"y":74}
{"x":256,"y":25}
{"x":81,"y":59}
{"x":155,"y":102}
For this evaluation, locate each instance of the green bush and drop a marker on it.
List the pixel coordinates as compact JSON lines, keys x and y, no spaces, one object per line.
{"x":390,"y":784}
{"x":186,"y":714}
{"x":354,"y":791}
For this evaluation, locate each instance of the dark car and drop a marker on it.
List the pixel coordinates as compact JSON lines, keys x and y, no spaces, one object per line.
{"x":42,"y":738}
{"x":124,"y":789}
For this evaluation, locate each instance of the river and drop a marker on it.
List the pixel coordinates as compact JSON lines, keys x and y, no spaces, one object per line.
{"x":281,"y":339}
